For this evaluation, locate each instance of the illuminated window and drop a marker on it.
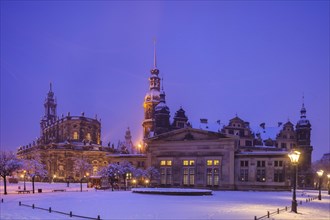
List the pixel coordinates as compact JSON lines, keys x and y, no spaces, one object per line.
{"x":95,"y":170}
{"x":88,"y":136}
{"x":212,"y":176}
{"x":166,"y":162}
{"x":213,"y":173}
{"x":75,"y":135}
{"x":60,"y":170}
{"x":189,"y":163}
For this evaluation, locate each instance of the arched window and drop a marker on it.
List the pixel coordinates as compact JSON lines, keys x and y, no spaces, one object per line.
{"x":88,"y":137}
{"x":75,"y":135}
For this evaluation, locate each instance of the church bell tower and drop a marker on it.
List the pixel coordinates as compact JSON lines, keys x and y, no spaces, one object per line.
{"x":151,"y":100}
{"x":50,"y":109}
{"x":303,"y":135}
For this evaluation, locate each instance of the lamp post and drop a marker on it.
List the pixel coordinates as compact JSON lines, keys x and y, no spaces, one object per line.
{"x":147,"y":182}
{"x":87,"y":177}
{"x":24,"y":171}
{"x":134,"y":182}
{"x":294,"y":157}
{"x":328,"y":183}
{"x":320,"y":174}
{"x":54,"y":177}
{"x":23,"y":177}
{"x":139,"y":146}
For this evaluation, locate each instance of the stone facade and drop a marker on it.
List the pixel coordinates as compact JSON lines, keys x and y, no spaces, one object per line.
{"x":190,"y":157}
{"x":235,"y":156}
{"x":66,"y":139}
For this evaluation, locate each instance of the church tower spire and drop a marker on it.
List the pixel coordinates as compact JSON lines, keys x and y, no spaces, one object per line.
{"x":303,"y":135}
{"x":151,"y":99}
{"x":155,"y":59}
{"x":50,"y":107}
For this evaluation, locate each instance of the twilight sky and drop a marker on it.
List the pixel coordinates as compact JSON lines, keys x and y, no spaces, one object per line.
{"x":218,"y":58}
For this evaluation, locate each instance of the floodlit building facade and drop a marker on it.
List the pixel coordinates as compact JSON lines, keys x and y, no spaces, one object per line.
{"x":209,"y":155}
{"x":233,"y":156}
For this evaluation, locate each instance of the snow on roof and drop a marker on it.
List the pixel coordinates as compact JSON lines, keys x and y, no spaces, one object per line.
{"x":206,"y":125}
{"x":263,"y":153}
{"x":267,"y":132}
{"x":303,"y":122}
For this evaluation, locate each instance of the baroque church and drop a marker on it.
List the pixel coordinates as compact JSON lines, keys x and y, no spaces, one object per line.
{"x":67,"y":138}
{"x":235,"y":156}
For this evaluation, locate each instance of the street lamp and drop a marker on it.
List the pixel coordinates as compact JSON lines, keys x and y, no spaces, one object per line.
{"x":147,"y":182}
{"x":54,"y":177}
{"x":139,"y":146}
{"x":320,"y":174}
{"x":294,"y":157}
{"x":328,"y":183}
{"x":24,"y":171}
{"x":134,"y":182}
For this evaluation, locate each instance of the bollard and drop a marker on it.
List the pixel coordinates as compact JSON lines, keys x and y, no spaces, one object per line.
{"x":50,"y":209}
{"x":33,"y":206}
{"x":2,"y":200}
{"x":70,"y":214}
{"x":19,"y":203}
{"x":267,"y":214}
{"x":98,"y":217}
{"x":255,"y":217}
{"x":278,"y":211}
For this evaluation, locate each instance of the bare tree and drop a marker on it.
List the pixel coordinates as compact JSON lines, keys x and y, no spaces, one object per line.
{"x":81,"y":167}
{"x":8,"y":164}
{"x":34,"y":168}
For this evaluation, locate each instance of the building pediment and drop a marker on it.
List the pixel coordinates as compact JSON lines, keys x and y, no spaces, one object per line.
{"x":187,"y":134}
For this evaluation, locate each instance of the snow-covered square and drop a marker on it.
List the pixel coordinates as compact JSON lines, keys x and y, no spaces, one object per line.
{"x":128,"y":205}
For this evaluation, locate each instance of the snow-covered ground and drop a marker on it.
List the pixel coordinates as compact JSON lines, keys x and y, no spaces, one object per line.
{"x":128,"y":205}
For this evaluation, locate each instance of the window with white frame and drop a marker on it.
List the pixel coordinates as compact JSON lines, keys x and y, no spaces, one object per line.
{"x":212,"y":172}
{"x":188,"y":172}
{"x":244,"y":171}
{"x":166,"y":172}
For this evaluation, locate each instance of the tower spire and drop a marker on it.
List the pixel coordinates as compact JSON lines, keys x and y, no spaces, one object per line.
{"x":303,"y":100}
{"x":162,"y":82}
{"x":50,"y":87}
{"x":155,"y":60}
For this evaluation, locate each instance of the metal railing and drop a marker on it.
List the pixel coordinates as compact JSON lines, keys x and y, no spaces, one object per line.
{"x":281,"y":210}
{"x":50,"y":210}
